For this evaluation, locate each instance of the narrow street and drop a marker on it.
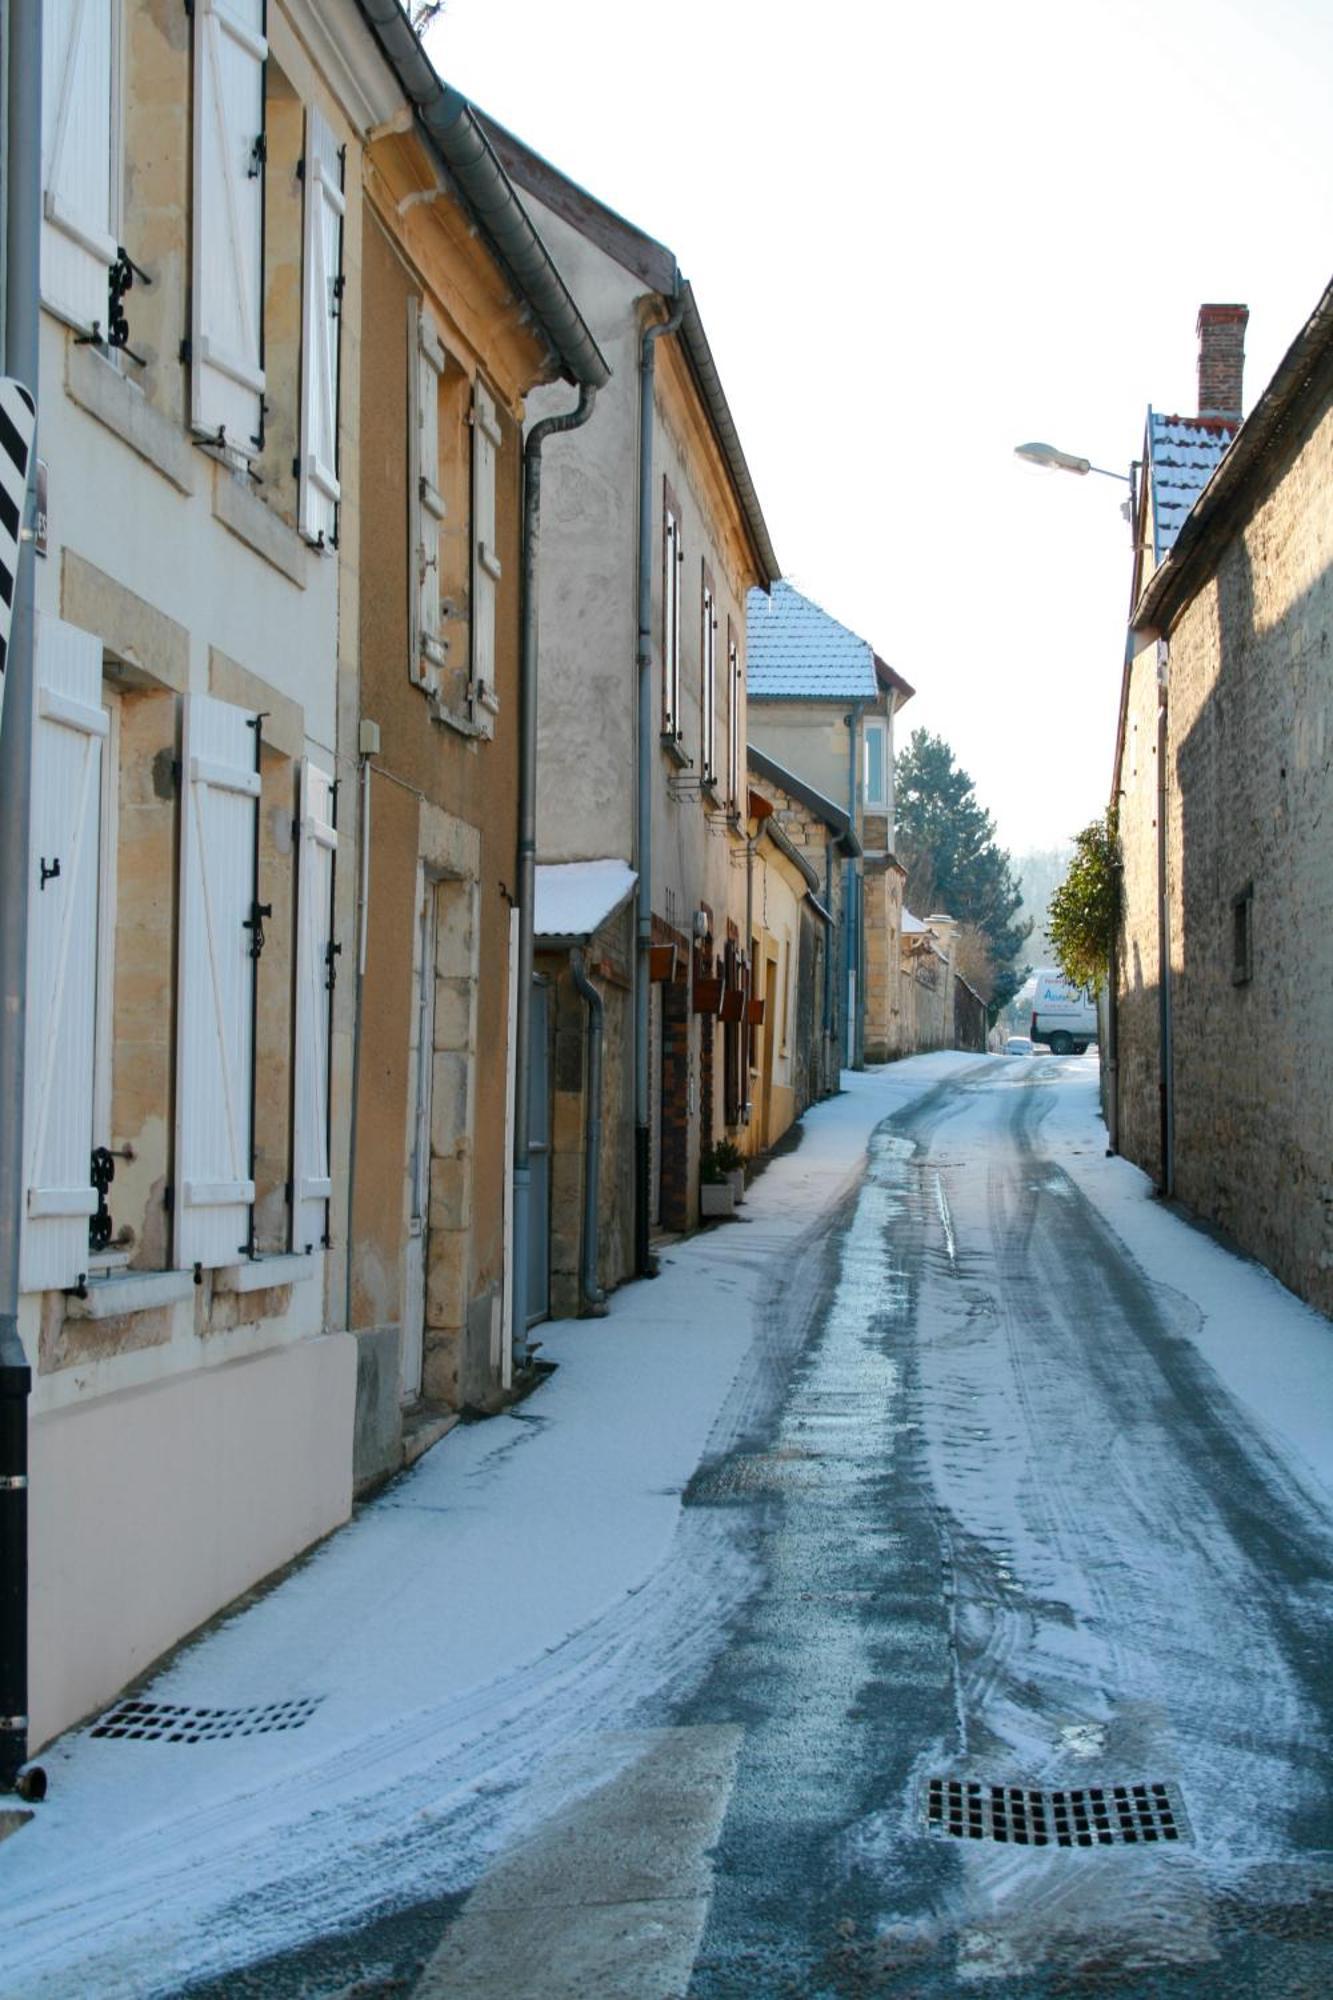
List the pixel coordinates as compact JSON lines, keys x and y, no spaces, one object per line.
{"x":992,"y":1473}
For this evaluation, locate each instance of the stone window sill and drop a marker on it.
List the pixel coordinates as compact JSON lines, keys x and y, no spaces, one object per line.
{"x":675,"y":750}
{"x":261,"y":1274}
{"x":100,"y":389}
{"x":130,"y":1292}
{"x":259,"y":527}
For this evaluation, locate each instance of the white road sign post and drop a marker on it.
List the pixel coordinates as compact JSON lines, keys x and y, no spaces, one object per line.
{"x":18,"y":420}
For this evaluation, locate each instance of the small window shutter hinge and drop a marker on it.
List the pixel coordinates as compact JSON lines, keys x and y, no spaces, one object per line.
{"x":168,"y":1198}
{"x":332,"y":953}
{"x":185,"y":351}
{"x":254,"y":923}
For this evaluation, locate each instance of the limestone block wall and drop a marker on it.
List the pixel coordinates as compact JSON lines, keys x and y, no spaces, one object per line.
{"x":1251,"y":809}
{"x":1138,"y":982}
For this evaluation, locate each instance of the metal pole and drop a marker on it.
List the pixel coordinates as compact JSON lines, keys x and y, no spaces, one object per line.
{"x":22,"y":295}
{"x":643,"y":844}
{"x":527,"y":842}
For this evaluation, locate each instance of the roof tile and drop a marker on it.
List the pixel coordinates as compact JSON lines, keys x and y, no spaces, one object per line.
{"x":795,"y":651}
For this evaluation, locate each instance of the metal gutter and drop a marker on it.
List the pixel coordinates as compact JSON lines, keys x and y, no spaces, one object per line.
{"x":484,"y":185}
{"x":832,"y":815}
{"x":809,"y":875}
{"x":1207,"y":526}
{"x":704,"y":369}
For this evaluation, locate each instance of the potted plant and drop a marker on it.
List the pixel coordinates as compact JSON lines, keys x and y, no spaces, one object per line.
{"x":731,"y":1162}
{"x":717,"y":1195}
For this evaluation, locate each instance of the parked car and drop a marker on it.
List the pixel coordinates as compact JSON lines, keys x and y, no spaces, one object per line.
{"x":1019,"y":1045}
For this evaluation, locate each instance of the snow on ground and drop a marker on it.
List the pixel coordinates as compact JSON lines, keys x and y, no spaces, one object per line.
{"x":535,"y":1582}
{"x":1271,"y":1351}
{"x":533,"y":1577}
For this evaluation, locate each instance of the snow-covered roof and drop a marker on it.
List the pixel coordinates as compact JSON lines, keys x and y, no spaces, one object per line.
{"x":1184,"y":452}
{"x":796,"y":652}
{"x":575,"y":898}
{"x":913,"y":926}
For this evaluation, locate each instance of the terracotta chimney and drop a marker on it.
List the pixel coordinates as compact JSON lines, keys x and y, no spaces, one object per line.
{"x":1221,"y":331}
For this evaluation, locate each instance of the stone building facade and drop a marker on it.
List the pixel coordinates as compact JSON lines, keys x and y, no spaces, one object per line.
{"x":1233,"y":627}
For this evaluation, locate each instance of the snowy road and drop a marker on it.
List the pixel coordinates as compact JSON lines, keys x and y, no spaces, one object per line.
{"x":961,"y":1460}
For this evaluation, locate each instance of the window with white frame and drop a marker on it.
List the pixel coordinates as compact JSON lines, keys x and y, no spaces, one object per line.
{"x":707,"y":678}
{"x":321,"y":310}
{"x":227,"y":380}
{"x":875,"y":782}
{"x":486,"y":570}
{"x":672,"y":559}
{"x":80,"y":209}
{"x":139,"y":1000}
{"x":735,"y":758}
{"x":427,"y":510}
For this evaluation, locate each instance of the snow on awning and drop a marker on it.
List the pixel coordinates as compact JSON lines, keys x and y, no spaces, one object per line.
{"x":913,"y":926}
{"x":575,"y":898}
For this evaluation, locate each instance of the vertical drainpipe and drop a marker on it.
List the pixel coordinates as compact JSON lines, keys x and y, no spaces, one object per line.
{"x":643,"y":855}
{"x":527,"y":841}
{"x":21,"y":331}
{"x":1166,"y":1071}
{"x":594,"y":1298}
{"x":830,"y":968}
{"x":852,"y":896}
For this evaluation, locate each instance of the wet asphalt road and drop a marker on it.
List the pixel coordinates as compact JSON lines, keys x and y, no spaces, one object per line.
{"x":1014,"y":1531}
{"x":1008,"y":1528}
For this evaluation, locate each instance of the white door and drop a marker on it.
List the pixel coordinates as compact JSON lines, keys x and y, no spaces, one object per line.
{"x":418,"y":1187}
{"x":215,"y":1016}
{"x":312,"y":1184}
{"x":69,"y":729}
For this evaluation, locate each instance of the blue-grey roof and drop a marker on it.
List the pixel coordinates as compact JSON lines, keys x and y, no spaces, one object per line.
{"x":796,"y":652}
{"x":1184,"y":452}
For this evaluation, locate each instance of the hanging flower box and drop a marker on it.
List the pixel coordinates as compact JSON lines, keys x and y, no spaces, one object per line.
{"x":755,"y":1013}
{"x":707,"y":995}
{"x":661,"y":964}
{"x":733,"y":1004}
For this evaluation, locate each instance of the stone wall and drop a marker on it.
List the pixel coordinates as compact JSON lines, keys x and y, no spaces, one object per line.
{"x":1251,"y":812}
{"x":1138,"y":984}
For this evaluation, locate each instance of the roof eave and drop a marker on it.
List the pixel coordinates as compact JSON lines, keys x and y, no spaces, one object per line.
{"x":485,"y":187}
{"x":709,"y":383}
{"x":1207,"y":525}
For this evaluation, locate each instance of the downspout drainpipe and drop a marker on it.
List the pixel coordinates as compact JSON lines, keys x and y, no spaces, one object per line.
{"x":830,"y":970}
{"x":852,"y":898}
{"x":1166,"y":1075}
{"x":594,"y":1298}
{"x":747,"y":1039}
{"x":23,"y":231}
{"x":569,"y":420}
{"x":643,"y":857}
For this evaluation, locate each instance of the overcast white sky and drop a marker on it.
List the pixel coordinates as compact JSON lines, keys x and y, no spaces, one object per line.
{"x":921,"y":235}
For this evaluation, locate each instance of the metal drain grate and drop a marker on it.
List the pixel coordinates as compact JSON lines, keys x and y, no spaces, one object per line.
{"x":164,"y":1722}
{"x":1083,"y":1816}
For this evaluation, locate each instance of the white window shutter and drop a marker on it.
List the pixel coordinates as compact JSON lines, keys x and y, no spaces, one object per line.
{"x":322,"y":317}
{"x":77,"y":241}
{"x":215,"y":1007}
{"x":427,"y":366}
{"x":486,"y":572}
{"x":69,"y":728}
{"x":226,"y":339}
{"x":312,"y":1185}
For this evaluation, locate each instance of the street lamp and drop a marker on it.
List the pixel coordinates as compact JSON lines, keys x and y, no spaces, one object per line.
{"x":1065,"y":461}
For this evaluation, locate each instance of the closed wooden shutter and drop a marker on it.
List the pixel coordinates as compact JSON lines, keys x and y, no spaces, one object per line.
{"x":322,"y":317}
{"x":78,"y":244}
{"x":226,"y":340}
{"x":215,"y":1026}
{"x":672,"y":558}
{"x":427,"y":510}
{"x":312,"y":1186}
{"x":486,"y":569}
{"x":69,"y":728}
{"x":708,"y":679}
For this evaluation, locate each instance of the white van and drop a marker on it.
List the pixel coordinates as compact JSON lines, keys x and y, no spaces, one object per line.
{"x":1064,"y":1017}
